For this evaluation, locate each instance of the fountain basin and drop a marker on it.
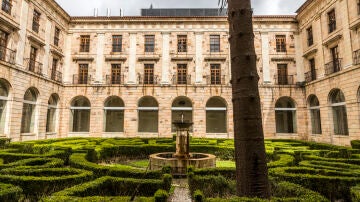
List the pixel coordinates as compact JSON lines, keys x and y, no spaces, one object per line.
{"x":180,"y":165}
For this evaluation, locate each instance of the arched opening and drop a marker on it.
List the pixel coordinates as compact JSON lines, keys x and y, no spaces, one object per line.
{"x":114,"y":114}
{"x":314,"y":107}
{"x":80,"y":114}
{"x":216,"y":116}
{"x":4,"y":93}
{"x":148,"y":112}
{"x":51,"y":113}
{"x":338,"y":106}
{"x":285,"y":115}
{"x":181,"y":109}
{"x":28,"y":113}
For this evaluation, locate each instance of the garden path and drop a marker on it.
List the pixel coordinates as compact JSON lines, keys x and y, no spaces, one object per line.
{"x":181,"y":192}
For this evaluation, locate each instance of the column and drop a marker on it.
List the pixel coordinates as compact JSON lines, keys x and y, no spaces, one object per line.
{"x":299,"y":59}
{"x":67,"y":70}
{"x":99,"y":57}
{"x":48,"y":30}
{"x":165,"y":58}
{"x":132,"y":59}
{"x":199,"y":57}
{"x":22,"y":33}
{"x":265,"y":57}
{"x":347,"y":54}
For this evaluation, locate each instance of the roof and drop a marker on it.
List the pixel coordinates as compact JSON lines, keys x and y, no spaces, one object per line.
{"x":306,"y":4}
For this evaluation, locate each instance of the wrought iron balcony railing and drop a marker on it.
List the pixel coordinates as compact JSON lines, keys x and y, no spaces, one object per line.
{"x":181,"y":80}
{"x":148,"y":80}
{"x":114,"y":79}
{"x":310,"y":76}
{"x":284,"y":79}
{"x":356,"y":57}
{"x":81,"y":79}
{"x":215,"y":80}
{"x":34,"y":66}
{"x":56,"y":76}
{"x":7,"y":55}
{"x":333,"y":66}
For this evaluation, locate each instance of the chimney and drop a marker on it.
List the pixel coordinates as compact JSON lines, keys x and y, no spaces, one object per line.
{"x":121,"y":12}
{"x":95,"y":12}
{"x":108,"y":12}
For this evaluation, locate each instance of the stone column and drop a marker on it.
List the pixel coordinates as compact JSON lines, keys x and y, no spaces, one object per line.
{"x":265,"y":57}
{"x":199,"y":57}
{"x":299,"y":59}
{"x":347,"y":54}
{"x":132,"y":59}
{"x":99,"y":57}
{"x":46,"y":60}
{"x":165,"y":58}
{"x":67,"y":68}
{"x":22,"y":33}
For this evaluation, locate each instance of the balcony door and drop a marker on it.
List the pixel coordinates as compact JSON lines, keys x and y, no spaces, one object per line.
{"x":282,"y":74}
{"x":335,"y":58}
{"x":33,"y":54}
{"x":3,"y":44}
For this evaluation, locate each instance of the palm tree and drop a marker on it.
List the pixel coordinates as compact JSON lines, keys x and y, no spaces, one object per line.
{"x":251,"y":168}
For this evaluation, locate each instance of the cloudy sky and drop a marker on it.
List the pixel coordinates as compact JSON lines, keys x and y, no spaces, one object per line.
{"x":132,"y":7}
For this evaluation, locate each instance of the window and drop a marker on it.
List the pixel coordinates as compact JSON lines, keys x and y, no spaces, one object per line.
{"x":85,"y":43}
{"x":216,"y":115}
{"x":51,"y":114}
{"x":149,"y":74}
{"x":54,"y":69}
{"x":358,"y":6}
{"x":214,"y":43}
{"x":280,"y":43}
{"x":181,"y":109}
{"x":310,"y":39}
{"x":215,"y":72}
{"x":3,"y":44}
{"x":83,"y":74}
{"x":33,"y":55}
{"x":332,"y":21}
{"x":148,"y":109}
{"x":117,"y":43}
{"x":182,"y":74}
{"x":36,"y":21}
{"x":80,"y":115}
{"x":56,"y":36}
{"x":114,"y":115}
{"x":285,"y":116}
{"x":6,"y":6}
{"x":338,"y":106}
{"x":28,"y":113}
{"x":315,"y":115}
{"x":335,"y":59}
{"x":149,"y":43}
{"x":182,"y":43}
{"x":3,"y":101}
{"x":282,"y":74}
{"x":312,"y":69}
{"x":115,"y":73}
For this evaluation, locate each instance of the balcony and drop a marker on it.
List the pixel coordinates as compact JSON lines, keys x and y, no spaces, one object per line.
{"x":148,"y":80}
{"x":356,"y":57}
{"x":6,"y":6}
{"x":214,"y":80}
{"x":181,"y":80}
{"x":114,"y":79}
{"x":56,"y":76}
{"x":34,"y":66}
{"x":7,"y":55}
{"x":81,"y":79}
{"x":284,"y":79}
{"x":333,"y":66}
{"x":310,"y":76}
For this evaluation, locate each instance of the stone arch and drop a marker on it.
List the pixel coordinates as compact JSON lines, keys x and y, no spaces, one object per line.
{"x":216,"y":115}
{"x":337,"y":104}
{"x":285,"y":115}
{"x":114,"y":114}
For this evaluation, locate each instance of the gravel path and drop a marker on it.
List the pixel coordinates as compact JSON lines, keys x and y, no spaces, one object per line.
{"x":181,"y":192}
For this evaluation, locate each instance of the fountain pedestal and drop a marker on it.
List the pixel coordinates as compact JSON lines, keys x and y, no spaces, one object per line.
{"x":182,"y":139}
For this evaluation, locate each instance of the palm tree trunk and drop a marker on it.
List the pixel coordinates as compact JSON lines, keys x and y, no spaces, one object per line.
{"x":251,"y":168}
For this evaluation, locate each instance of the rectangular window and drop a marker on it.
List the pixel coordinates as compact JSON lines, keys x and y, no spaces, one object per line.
{"x":332,"y":21}
{"x":3,"y":44}
{"x":54,"y":69}
{"x":182,"y":74}
{"x":282,"y":74}
{"x":32,"y":61}
{"x":280,"y":43}
{"x":56,"y":36}
{"x":335,"y":58}
{"x":149,"y":74}
{"x":215,"y":74}
{"x":310,"y":36}
{"x":312,"y":69}
{"x":214,"y":43}
{"x":358,"y":6}
{"x":6,"y":6}
{"x":84,"y":43}
{"x":83,"y":74}
{"x":149,"y":43}
{"x":182,"y":43}
{"x":117,"y":43}
{"x":115,"y":73}
{"x":36,"y":21}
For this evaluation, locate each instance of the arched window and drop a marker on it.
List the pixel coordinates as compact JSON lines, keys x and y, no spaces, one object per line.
{"x":3,"y":100}
{"x":315,"y":115}
{"x":51,"y":114}
{"x":148,"y":110}
{"x":338,"y":106}
{"x":28,"y":113}
{"x":216,"y":116}
{"x":114,"y":115}
{"x":285,"y":115}
{"x":181,"y":106}
{"x":80,"y":114}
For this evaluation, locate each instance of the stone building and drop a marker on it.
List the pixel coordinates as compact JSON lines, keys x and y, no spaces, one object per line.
{"x":108,"y":76}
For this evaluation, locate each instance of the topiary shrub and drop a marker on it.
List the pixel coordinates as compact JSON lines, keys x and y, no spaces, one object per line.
{"x":10,"y":192}
{"x":161,"y":195}
{"x":355,"y":193}
{"x":198,"y":196}
{"x":355,"y":144}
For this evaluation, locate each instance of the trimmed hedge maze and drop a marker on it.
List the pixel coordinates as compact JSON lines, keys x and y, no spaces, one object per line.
{"x":115,"y":169}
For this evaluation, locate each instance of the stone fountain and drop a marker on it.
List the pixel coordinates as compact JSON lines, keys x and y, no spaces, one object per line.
{"x":182,"y":158}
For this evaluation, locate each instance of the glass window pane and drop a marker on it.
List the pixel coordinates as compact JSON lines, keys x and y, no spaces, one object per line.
{"x":148,"y":121}
{"x":285,"y":121}
{"x":81,"y":120}
{"x":114,"y":121}
{"x":315,"y":121}
{"x":216,"y":122}
{"x":28,"y":118}
{"x":2,"y":115}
